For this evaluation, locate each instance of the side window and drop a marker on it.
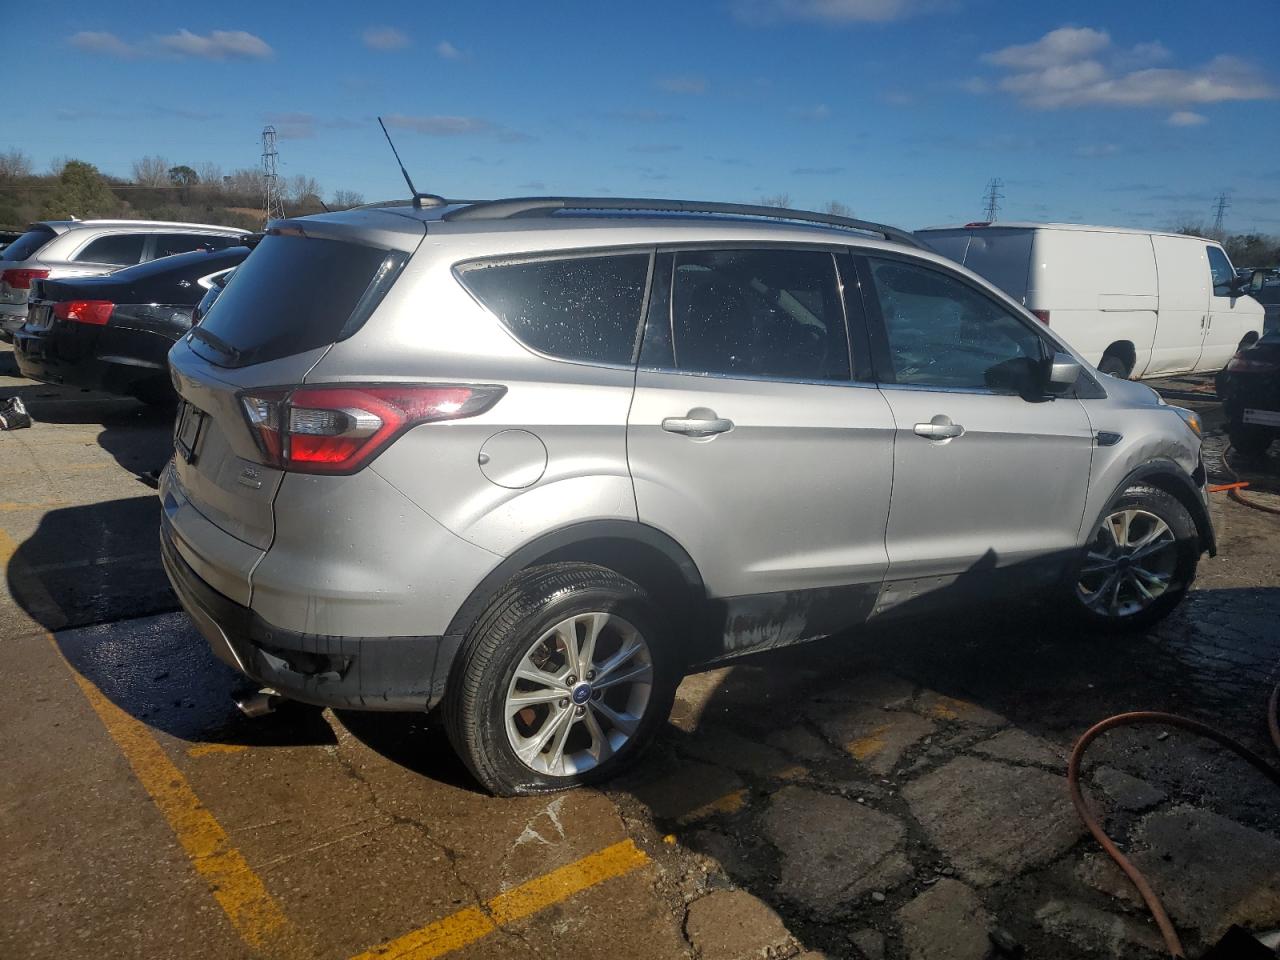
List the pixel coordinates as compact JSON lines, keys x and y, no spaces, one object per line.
{"x":1220,"y":267}
{"x":117,"y":249}
{"x":573,"y":308}
{"x":944,"y":333}
{"x":169,"y":244}
{"x":762,"y":313}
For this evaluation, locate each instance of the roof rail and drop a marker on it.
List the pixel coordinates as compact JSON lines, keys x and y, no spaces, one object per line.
{"x":545,"y":206}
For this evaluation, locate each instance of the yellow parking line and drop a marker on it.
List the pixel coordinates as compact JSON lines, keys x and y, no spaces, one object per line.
{"x":474,"y":923}
{"x":205,"y":749}
{"x":253,"y":912}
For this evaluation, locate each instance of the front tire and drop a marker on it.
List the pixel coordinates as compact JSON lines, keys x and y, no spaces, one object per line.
{"x":1115,"y":367}
{"x":1250,"y":440}
{"x":1139,"y":563}
{"x":561,"y":682}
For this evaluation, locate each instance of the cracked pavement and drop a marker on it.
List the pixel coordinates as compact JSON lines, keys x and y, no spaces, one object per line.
{"x":897,"y":794}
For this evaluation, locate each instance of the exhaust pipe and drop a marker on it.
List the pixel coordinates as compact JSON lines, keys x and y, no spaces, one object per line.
{"x":259,"y":704}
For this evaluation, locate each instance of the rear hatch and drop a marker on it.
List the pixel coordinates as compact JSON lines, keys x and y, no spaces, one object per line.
{"x":304,"y":287}
{"x":15,"y":273}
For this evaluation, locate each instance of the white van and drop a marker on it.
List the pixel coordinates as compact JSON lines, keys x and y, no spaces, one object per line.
{"x":1136,"y":304}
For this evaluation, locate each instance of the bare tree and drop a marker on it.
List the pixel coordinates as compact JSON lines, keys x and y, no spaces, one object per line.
{"x":303,"y":189}
{"x":210,"y":177}
{"x":245,"y":184}
{"x":345,"y":199}
{"x":151,"y":171}
{"x":14,"y":164}
{"x":57,"y":164}
{"x":776,"y":200}
{"x":838,"y":209}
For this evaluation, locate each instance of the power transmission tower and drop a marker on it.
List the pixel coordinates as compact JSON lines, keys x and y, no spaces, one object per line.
{"x":1221,"y":209}
{"x":272,"y":199}
{"x":992,"y":197}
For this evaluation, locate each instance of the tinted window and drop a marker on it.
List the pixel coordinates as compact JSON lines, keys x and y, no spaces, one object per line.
{"x":26,"y":246}
{"x":944,"y":333}
{"x":294,"y":294}
{"x":574,"y":308}
{"x":756,"y":313}
{"x":120,"y":249}
{"x":1223,"y":275}
{"x":169,"y":244}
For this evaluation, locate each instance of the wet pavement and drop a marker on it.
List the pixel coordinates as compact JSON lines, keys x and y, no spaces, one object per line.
{"x":896,"y":794}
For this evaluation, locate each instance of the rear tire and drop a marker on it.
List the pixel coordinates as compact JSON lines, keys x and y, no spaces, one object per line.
{"x":1139,"y":563}
{"x":1115,"y":367}
{"x":1250,"y":440}
{"x":562,"y":681}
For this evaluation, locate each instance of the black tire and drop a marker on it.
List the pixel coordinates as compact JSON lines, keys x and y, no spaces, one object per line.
{"x":1114,"y":366}
{"x":1182,"y":559}
{"x":532,"y":603}
{"x":1249,"y":439}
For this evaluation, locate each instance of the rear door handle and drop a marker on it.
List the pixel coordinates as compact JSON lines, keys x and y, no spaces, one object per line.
{"x":697,"y":424}
{"x":939,"y":428}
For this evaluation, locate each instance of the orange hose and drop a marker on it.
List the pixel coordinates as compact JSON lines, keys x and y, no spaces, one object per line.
{"x":1233,"y":489}
{"x":1135,"y":876}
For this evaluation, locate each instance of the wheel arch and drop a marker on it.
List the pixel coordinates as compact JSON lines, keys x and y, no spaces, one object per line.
{"x":1172,"y":479}
{"x":635,"y":550}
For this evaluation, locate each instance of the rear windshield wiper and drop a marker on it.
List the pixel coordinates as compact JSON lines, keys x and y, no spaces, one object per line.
{"x":233,"y":353}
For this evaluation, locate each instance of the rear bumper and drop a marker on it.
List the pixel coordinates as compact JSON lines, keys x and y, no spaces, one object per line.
{"x":100,"y":358}
{"x":359,"y":673}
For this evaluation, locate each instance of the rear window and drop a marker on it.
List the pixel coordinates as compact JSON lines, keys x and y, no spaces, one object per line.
{"x":27,"y":245}
{"x":572,"y":308}
{"x":293,"y":294}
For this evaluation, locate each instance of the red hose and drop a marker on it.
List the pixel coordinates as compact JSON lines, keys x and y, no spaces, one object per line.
{"x":1149,"y":896}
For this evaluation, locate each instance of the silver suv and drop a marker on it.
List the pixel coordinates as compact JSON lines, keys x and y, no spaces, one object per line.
{"x":532,"y":460}
{"x":54,"y":249}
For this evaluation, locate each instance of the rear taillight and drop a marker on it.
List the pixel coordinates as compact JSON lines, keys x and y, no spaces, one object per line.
{"x":1042,"y":316}
{"x":338,"y":429}
{"x":95,"y":312}
{"x":20,"y":278}
{"x":1243,"y":363}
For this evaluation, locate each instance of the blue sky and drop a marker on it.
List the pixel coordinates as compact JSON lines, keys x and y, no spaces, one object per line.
{"x":1132,"y":113}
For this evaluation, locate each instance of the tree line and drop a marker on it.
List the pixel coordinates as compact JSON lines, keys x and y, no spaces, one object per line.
{"x":157,"y":190}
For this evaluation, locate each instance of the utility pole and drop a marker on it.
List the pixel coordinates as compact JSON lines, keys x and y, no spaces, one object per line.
{"x":1221,"y":209}
{"x":992,"y":198}
{"x":272,"y":199}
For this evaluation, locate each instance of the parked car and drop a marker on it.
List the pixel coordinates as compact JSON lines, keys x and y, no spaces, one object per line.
{"x":1137,"y":304}
{"x":533,"y":459}
{"x":1250,"y":390}
{"x":1269,"y":297}
{"x":113,"y":333}
{"x":7,"y":237}
{"x":55,"y":249}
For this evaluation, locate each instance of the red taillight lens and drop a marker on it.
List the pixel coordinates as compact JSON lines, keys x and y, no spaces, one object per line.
{"x":96,"y":312}
{"x":338,"y":429}
{"x":20,"y":279}
{"x":1042,"y":316}
{"x":1243,"y":363}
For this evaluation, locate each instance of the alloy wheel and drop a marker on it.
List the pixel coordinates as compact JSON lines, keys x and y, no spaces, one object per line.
{"x":1130,"y":564}
{"x":578,"y":694}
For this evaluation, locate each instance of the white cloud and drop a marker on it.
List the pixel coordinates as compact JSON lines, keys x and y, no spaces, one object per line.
{"x":816,"y":113}
{"x":447,"y":51}
{"x":1186,"y":118}
{"x":682,"y":84}
{"x":830,"y":11}
{"x":1077,"y":67}
{"x":442,"y":125}
{"x":98,"y":42}
{"x":1097,"y":150}
{"x":385,"y":38}
{"x":218,"y":45}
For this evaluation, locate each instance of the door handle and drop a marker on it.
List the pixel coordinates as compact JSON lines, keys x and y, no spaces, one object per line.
{"x":939,"y":428}
{"x":698,"y":424}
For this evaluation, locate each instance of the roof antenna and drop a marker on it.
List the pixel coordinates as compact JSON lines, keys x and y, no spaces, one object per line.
{"x":432,"y":199}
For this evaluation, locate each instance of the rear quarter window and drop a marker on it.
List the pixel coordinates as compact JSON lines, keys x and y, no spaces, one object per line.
{"x":584,"y":308}
{"x":117,"y":249}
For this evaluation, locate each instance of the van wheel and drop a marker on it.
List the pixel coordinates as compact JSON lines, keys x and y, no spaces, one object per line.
{"x":1139,"y":563}
{"x":562,"y":681}
{"x":1114,"y":367}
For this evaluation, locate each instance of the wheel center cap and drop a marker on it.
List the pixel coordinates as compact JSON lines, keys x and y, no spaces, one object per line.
{"x":1123,"y":563}
{"x":581,"y":693}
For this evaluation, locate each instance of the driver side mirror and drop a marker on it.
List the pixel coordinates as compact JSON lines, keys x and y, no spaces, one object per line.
{"x":1062,"y":374}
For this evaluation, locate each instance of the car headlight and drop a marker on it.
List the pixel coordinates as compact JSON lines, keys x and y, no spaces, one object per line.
{"x":1190,"y":418}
